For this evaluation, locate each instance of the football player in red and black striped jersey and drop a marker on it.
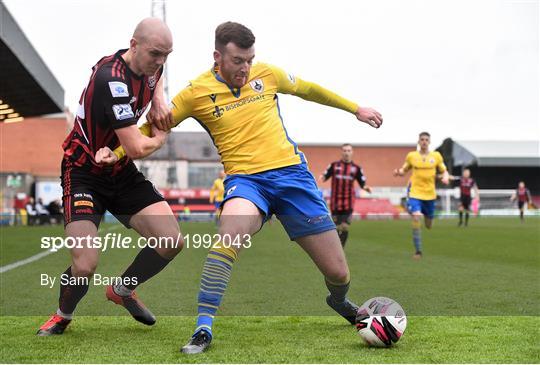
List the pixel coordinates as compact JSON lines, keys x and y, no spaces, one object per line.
{"x":466,"y":185}
{"x":343,"y":174}
{"x":523,"y":196}
{"x":120,"y":89}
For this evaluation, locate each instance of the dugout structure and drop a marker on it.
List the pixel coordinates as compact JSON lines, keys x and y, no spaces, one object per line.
{"x":497,"y":167}
{"x":495,"y":164}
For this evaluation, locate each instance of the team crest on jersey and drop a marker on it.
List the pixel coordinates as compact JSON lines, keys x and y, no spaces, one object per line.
{"x":257,"y":85}
{"x":152,"y":82}
{"x":353,"y":170}
{"x":432,"y":161}
{"x":118,"y":89}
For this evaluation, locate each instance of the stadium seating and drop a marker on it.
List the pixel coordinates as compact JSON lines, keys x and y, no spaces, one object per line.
{"x":365,"y":207}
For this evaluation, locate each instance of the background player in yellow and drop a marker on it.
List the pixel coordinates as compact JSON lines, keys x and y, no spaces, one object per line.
{"x":237,"y":103}
{"x":217,"y":191}
{"x":421,"y":194}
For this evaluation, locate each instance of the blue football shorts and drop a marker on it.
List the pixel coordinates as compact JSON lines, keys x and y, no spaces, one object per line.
{"x":290,"y":193}
{"x":426,"y":207}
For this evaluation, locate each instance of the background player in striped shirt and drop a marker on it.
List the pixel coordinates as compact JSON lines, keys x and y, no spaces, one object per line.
{"x":343,"y":174}
{"x":466,"y":185}
{"x":421,"y":194}
{"x":119,"y":91}
{"x":523,"y":196}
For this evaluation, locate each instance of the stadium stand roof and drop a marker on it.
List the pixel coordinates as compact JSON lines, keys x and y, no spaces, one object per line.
{"x":28,"y":87}
{"x":492,"y":153}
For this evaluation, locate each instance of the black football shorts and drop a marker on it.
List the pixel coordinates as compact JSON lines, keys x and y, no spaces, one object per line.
{"x":87,"y":195}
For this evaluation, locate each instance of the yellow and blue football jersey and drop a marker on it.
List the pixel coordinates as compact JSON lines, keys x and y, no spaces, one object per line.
{"x":424,"y":173}
{"x":245,"y":124}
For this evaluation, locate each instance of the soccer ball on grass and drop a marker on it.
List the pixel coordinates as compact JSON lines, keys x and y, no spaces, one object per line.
{"x":381,"y":322}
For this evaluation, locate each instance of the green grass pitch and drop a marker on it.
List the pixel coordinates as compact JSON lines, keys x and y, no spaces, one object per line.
{"x":474,"y":298}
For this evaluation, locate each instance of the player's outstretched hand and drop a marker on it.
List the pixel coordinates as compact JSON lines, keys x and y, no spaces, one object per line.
{"x":368,"y":189}
{"x":445,"y":180}
{"x":105,"y":156}
{"x":369,"y":116}
{"x":397,"y":172}
{"x":161,"y":116}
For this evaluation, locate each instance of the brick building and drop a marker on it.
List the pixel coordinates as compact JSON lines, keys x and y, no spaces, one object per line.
{"x":377,"y":161}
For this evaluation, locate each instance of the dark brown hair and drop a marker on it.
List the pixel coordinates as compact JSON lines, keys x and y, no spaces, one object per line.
{"x":345,"y":145}
{"x":424,"y":134}
{"x":233,"y":32}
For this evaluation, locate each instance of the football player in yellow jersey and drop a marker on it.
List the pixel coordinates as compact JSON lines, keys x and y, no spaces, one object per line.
{"x":217,"y":191}
{"x":237,"y":103}
{"x":421,"y":194}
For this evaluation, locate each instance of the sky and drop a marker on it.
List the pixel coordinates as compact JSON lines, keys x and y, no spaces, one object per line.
{"x":468,"y":70}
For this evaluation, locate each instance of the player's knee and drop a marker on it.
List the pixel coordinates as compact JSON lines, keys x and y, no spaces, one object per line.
{"x":174,"y":243}
{"x":338,"y":275}
{"x":232,"y":233}
{"x":179,"y":244}
{"x":83,"y":268}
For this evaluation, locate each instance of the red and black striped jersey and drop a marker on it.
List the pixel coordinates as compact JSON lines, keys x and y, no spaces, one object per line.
{"x":465,"y":186}
{"x":343,"y":175}
{"x":114,"y":98}
{"x":523,"y":195}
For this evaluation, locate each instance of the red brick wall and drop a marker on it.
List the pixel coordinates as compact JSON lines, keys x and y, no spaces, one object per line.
{"x":377,"y":162}
{"x":33,"y":146}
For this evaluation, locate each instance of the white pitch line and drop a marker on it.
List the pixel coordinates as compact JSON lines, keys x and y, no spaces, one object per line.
{"x":40,"y":255}
{"x":25,"y":261}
